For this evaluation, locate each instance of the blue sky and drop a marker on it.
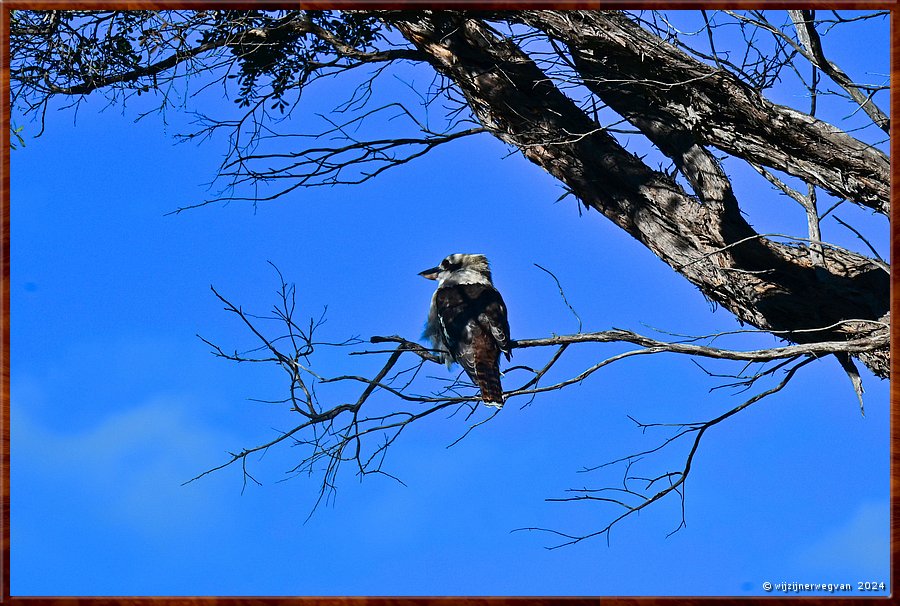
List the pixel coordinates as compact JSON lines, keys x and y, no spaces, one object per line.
{"x":115,"y":402}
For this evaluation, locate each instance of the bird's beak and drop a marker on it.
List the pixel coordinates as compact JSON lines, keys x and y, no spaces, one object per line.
{"x":430,"y":274}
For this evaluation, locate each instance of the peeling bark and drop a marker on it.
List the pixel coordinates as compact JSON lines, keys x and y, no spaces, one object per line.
{"x":651,"y":82}
{"x":688,"y":109}
{"x":770,"y":285}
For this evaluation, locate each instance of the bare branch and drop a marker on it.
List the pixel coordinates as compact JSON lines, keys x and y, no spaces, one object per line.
{"x":361,"y":430}
{"x":761,"y":355}
{"x":562,"y":294}
{"x":804,"y":21}
{"x":645,"y":500}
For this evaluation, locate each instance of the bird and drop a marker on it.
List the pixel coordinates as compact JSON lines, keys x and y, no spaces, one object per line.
{"x":467,"y":322}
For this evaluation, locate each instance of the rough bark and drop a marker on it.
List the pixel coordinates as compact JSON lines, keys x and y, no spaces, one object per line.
{"x":654,"y":84}
{"x":812,"y":45}
{"x":764,"y":283}
{"x":682,"y":105}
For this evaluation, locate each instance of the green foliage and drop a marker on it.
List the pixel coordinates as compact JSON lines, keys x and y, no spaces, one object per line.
{"x":15,"y":132}
{"x":286,"y":57}
{"x":271,"y":52}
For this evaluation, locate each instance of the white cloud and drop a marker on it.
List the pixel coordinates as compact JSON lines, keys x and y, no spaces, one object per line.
{"x":128,"y":467}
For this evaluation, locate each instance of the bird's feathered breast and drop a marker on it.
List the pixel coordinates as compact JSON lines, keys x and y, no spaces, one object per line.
{"x":462,"y":310}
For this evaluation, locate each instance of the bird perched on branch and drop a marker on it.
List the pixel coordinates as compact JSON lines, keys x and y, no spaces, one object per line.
{"x":467,"y":321}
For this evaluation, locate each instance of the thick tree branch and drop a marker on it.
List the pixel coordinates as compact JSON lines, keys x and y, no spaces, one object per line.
{"x":811,"y":42}
{"x":640,"y":75}
{"x":547,"y":101}
{"x":679,"y":103}
{"x":767,"y":284}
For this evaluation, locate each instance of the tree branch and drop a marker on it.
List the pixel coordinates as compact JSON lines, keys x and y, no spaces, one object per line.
{"x":644,"y":500}
{"x":346,"y":431}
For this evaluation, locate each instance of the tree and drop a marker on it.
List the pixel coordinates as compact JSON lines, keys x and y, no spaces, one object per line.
{"x":568,"y":90}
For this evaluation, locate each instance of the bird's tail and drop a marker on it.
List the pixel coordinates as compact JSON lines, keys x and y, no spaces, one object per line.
{"x":487,"y":376}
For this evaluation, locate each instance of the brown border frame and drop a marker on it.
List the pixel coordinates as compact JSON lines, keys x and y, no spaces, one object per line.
{"x":7,"y":5}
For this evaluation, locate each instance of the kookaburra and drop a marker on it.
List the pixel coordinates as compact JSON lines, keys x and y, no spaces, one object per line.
{"x":467,"y":321}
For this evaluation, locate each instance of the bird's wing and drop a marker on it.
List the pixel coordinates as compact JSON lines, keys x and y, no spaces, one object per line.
{"x":494,"y":319}
{"x":464,"y":308}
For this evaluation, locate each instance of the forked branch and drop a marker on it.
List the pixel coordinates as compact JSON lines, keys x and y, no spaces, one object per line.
{"x":354,"y":417}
